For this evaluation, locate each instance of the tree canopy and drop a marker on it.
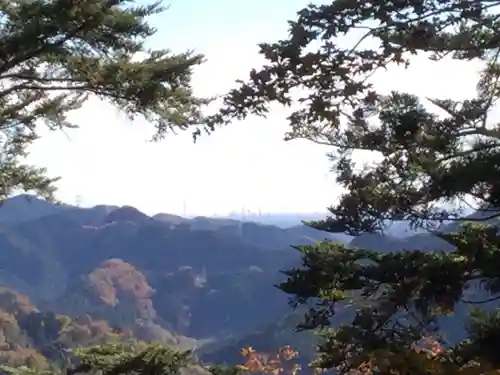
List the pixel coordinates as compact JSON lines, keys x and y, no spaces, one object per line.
{"x":116,"y":358}
{"x":429,"y":151}
{"x":54,"y":54}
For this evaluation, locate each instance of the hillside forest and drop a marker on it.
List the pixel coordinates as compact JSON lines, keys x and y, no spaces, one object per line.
{"x":401,"y":277}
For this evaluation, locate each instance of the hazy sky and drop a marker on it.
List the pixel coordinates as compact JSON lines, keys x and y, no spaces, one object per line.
{"x":109,"y":161}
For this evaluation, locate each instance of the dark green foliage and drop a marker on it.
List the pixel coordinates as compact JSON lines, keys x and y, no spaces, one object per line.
{"x":424,"y":160}
{"x":224,"y":370}
{"x":400,"y":296}
{"x":42,"y":328}
{"x":25,"y":370}
{"x":117,"y":359}
{"x":55,"y":53}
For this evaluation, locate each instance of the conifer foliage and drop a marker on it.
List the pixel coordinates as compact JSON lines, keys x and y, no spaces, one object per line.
{"x":114,"y":359}
{"x":54,"y":54}
{"x":430,"y":151}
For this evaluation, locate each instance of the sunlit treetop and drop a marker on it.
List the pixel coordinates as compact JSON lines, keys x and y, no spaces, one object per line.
{"x":54,"y":54}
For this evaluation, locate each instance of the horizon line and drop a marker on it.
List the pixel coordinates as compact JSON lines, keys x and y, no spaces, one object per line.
{"x":241,"y":212}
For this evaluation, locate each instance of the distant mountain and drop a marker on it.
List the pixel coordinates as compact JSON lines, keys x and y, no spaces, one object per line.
{"x":25,"y":207}
{"x":203,"y":282}
{"x":388,"y":243}
{"x":207,"y":277}
{"x":284,"y":220}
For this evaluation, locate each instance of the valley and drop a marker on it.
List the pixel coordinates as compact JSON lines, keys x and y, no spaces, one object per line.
{"x":183,"y":282}
{"x":203,"y":283}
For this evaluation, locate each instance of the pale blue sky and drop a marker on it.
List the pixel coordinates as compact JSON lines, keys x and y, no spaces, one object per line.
{"x":108,"y":160}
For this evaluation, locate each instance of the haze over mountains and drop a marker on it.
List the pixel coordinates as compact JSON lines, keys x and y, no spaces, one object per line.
{"x":164,"y":277}
{"x":199,"y":282}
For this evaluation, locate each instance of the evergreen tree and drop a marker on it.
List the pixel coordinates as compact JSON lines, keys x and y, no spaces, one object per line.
{"x":55,"y":53}
{"x":117,"y":359}
{"x":424,"y":160}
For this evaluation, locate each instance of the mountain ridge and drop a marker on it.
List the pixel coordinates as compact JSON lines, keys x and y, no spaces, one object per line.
{"x":200,"y":282}
{"x":47,"y":250}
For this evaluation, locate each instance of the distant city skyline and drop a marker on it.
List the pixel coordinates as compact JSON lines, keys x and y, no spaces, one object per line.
{"x":246,"y":164}
{"x":242,"y":212}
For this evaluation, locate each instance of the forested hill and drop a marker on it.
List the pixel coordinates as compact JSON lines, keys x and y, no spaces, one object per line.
{"x":165,"y":278}
{"x":107,"y":271}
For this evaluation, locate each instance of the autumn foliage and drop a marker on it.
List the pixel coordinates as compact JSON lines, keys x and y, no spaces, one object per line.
{"x":115,"y":279}
{"x":279,"y":362}
{"x":114,"y":276}
{"x":426,"y":357}
{"x":15,"y":303}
